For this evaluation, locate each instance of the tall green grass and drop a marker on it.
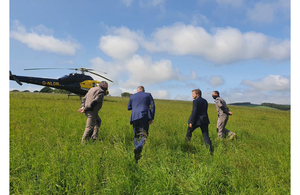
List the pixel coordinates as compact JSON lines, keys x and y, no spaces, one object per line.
{"x":46,"y":156}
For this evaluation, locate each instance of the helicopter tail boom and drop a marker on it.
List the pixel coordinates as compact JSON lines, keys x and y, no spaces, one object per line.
{"x":13,"y":77}
{"x":34,"y":80}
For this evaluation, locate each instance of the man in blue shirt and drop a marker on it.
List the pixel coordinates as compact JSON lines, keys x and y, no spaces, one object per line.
{"x":142,"y":115}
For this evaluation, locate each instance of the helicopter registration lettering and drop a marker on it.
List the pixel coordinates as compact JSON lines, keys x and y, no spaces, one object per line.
{"x":50,"y":83}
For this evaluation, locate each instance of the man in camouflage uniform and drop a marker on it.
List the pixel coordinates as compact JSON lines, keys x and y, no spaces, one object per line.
{"x":90,"y":106}
{"x":223,"y":113}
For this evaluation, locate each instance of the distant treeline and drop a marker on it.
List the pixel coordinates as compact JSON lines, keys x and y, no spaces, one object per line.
{"x":46,"y":90}
{"x":277,"y":106}
{"x":271,"y":105}
{"x":243,"y":104}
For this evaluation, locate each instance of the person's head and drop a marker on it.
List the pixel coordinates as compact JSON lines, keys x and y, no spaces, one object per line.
{"x":140,"y":88}
{"x":196,"y":93}
{"x":215,"y":94}
{"x":104,"y":86}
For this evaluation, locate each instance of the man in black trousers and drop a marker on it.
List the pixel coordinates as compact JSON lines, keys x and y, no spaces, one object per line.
{"x":199,"y":118}
{"x":143,"y":110}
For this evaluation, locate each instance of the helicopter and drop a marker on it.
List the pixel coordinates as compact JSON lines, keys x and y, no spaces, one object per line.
{"x":78,"y":84}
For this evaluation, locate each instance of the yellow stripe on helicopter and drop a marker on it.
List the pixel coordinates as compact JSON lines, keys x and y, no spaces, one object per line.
{"x":87,"y":84}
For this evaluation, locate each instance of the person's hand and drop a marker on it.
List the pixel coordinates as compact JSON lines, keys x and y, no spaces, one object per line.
{"x":150,"y":122}
{"x":230,"y":113}
{"x":80,"y":110}
{"x":191,"y":125}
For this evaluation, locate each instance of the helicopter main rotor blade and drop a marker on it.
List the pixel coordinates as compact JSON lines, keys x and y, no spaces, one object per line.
{"x":41,"y":68}
{"x":100,"y":71}
{"x":81,"y":69}
{"x":76,"y":69}
{"x":86,"y":70}
{"x":100,"y":76}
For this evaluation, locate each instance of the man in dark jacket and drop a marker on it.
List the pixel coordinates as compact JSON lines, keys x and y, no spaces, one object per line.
{"x":199,"y":118}
{"x":90,"y":105}
{"x":142,"y":115}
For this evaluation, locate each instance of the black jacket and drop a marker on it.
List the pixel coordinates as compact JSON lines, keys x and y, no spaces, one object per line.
{"x":199,"y":114}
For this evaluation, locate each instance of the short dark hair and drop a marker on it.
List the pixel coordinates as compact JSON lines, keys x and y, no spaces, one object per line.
{"x":141,"y":88}
{"x":198,"y":92}
{"x":216,"y":92}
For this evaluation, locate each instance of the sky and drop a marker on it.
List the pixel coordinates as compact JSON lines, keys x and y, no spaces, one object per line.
{"x":242,"y":48}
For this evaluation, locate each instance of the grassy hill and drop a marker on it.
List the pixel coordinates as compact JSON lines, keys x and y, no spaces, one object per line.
{"x":46,"y":156}
{"x":263,"y":105}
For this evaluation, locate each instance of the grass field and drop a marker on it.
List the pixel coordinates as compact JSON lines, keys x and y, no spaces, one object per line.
{"x":46,"y":156}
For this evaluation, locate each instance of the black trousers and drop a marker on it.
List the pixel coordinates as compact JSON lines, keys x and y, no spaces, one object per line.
{"x":141,"y":130}
{"x":204,"y":129}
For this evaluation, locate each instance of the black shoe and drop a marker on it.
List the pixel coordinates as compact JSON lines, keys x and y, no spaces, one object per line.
{"x":188,"y":139}
{"x":137,"y":155}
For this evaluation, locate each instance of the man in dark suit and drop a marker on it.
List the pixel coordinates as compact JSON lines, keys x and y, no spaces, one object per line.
{"x":199,"y":118}
{"x":142,"y":115}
